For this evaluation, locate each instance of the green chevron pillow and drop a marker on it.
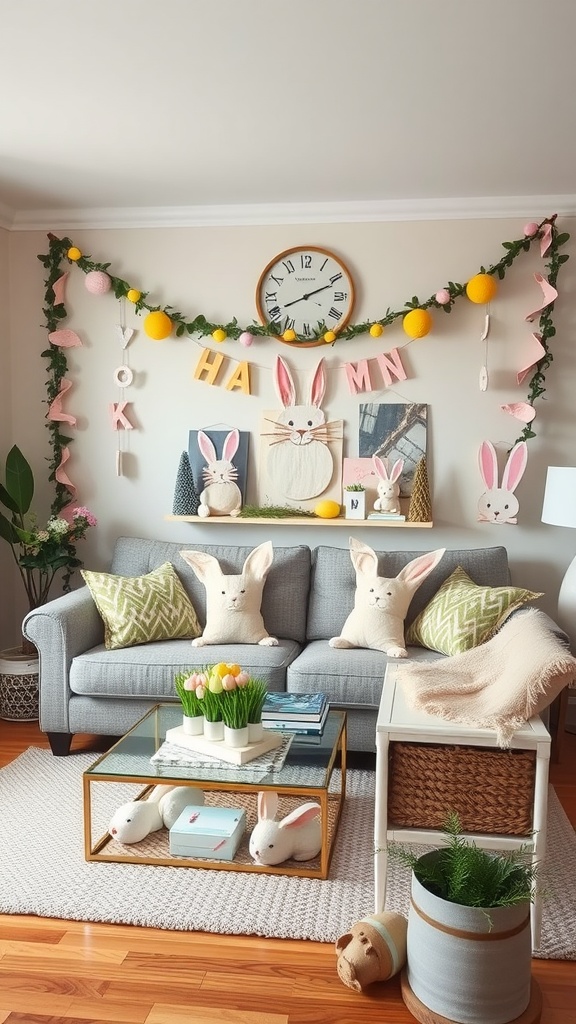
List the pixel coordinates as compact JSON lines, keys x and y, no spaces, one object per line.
{"x":462,"y":615}
{"x":139,"y":609}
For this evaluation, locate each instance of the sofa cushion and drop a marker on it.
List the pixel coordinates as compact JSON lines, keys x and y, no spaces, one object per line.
{"x":284,"y":605}
{"x":148,"y":670}
{"x":462,"y":615}
{"x":333,"y":582}
{"x":141,"y":609}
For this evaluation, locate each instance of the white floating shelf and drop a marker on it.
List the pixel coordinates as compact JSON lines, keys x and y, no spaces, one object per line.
{"x":301,"y":521}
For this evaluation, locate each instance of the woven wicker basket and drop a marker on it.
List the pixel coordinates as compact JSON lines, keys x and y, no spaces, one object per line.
{"x":491,"y":790}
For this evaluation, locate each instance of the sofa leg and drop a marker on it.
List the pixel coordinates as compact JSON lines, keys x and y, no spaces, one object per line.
{"x":60,"y":743}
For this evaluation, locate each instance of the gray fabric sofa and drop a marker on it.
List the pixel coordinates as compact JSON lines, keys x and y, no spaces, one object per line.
{"x":85,"y":688}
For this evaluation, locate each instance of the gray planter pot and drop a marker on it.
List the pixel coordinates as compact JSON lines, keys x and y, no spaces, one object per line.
{"x":466,"y":964}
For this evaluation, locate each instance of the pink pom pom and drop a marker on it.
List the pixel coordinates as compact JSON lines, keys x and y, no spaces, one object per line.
{"x":97,"y":282}
{"x":246,"y":339}
{"x":530,"y":229}
{"x":443,"y":296}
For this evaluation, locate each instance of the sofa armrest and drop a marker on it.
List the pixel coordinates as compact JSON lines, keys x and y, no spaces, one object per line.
{"x":60,"y":630}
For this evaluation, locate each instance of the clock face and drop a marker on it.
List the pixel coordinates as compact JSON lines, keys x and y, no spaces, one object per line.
{"x":307,"y":290}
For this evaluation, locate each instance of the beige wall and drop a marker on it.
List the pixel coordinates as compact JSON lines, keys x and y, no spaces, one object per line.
{"x":214,"y":271}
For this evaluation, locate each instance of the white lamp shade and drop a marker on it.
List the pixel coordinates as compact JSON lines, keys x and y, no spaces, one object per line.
{"x":559,"y":507}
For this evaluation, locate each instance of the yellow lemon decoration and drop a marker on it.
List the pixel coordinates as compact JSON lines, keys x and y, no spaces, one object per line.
{"x":157,"y":325}
{"x":289,"y":335}
{"x":376,"y":330}
{"x":133,"y":295}
{"x":74,"y":254}
{"x":417,"y":323}
{"x":327,"y":509}
{"x":481,"y":288}
{"x":219,"y":334}
{"x":329,"y":337}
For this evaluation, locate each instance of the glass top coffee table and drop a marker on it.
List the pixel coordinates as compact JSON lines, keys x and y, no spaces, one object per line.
{"x":314,"y":769}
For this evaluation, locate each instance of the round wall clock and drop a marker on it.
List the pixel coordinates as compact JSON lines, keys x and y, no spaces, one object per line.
{"x":305,"y":289}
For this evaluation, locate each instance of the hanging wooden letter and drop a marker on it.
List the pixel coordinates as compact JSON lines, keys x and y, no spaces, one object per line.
{"x":390,"y":363}
{"x":119,"y":419}
{"x":358,"y":377}
{"x":208,"y":366}
{"x":240,"y":379}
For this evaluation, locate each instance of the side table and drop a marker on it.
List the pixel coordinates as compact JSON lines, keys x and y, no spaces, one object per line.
{"x":398,"y":723}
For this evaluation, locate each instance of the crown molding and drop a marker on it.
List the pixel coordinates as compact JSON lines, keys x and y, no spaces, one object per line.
{"x":355,"y":211}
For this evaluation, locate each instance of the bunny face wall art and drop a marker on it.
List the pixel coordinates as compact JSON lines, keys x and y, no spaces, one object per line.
{"x":301,"y":451}
{"x":233,"y":601}
{"x":500,"y":504}
{"x":380,"y":604}
{"x":221,"y":495}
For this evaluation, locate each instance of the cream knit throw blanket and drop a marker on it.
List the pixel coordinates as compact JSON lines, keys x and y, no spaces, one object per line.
{"x":498,"y":685}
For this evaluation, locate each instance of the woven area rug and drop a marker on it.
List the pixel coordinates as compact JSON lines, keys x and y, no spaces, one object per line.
{"x":43,"y":871}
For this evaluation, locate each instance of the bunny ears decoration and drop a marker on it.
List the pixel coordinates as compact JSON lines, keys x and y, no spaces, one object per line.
{"x":499,"y":504}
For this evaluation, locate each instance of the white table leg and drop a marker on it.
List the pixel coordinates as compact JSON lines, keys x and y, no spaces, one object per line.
{"x":381,"y":821}
{"x":539,"y":824}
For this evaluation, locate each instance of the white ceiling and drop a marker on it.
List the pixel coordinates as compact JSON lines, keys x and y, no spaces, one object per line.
{"x":125,"y":104}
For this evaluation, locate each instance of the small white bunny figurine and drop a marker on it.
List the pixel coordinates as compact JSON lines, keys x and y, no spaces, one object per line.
{"x":299,"y":460}
{"x":233,"y":601}
{"x":298,"y":836}
{"x":388,"y":499}
{"x":133,"y":821}
{"x":499,"y":504}
{"x":221,"y":496}
{"x":381,"y":604}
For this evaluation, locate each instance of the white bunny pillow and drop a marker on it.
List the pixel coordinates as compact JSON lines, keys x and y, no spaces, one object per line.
{"x":381,"y":604}
{"x":499,"y":504}
{"x":233,"y":601}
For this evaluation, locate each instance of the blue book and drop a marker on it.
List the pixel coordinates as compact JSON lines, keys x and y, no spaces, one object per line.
{"x":302,"y":707}
{"x":297,"y":725}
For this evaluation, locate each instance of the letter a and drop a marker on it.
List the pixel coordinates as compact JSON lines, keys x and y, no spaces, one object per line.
{"x":240,"y":379}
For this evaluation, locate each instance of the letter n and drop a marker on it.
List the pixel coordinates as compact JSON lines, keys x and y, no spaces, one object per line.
{"x":358,"y":377}
{"x":391,"y":364}
{"x":208,"y":366}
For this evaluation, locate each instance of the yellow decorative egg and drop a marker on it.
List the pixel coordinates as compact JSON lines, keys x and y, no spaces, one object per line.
{"x":376,"y":330}
{"x":289,"y":335}
{"x":157,"y":325}
{"x":133,"y":295}
{"x":329,"y":337}
{"x":481,"y":288}
{"x":327,"y":509}
{"x":74,"y":254}
{"x":417,"y":323}
{"x":219,"y":334}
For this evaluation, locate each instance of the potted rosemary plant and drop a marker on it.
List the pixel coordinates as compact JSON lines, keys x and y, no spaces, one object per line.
{"x":355,"y":501}
{"x":469,"y":945}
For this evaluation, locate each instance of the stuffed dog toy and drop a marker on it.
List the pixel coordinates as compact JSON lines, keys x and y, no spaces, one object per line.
{"x":373,"y":950}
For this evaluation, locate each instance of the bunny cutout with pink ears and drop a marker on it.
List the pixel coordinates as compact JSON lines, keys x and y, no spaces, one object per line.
{"x":388,"y":499}
{"x":499,"y":504}
{"x":221,"y":495}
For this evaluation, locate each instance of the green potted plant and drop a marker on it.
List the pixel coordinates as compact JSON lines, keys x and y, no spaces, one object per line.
{"x":469,"y":945}
{"x":39,"y":554}
{"x":186,"y":684}
{"x":355,"y":501}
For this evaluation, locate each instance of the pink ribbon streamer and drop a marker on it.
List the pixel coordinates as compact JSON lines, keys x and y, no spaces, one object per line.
{"x":55,"y":411}
{"x":545,"y":239}
{"x":549,"y":293}
{"x":521,"y":410}
{"x":59,"y":289}
{"x":64,"y":338}
{"x":61,"y":474}
{"x":537,"y":351}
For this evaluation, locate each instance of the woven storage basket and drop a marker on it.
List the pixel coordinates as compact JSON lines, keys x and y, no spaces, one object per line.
{"x":491,"y":790}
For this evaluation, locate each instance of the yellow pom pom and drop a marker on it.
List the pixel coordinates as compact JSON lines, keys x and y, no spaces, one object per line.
{"x":157,"y":325}
{"x":74,"y":254}
{"x":329,"y":337}
{"x":376,"y":330}
{"x":219,"y":334}
{"x":481,"y":288}
{"x":417,"y":323}
{"x":133,"y":295}
{"x":327,"y":509}
{"x":289,"y":335}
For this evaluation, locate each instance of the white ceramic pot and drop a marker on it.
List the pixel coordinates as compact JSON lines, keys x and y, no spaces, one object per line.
{"x":213,"y":730}
{"x":193,"y":725}
{"x":255,"y":732}
{"x":18,"y":686}
{"x":467,"y":964}
{"x":355,"y":504}
{"x":236,"y":737}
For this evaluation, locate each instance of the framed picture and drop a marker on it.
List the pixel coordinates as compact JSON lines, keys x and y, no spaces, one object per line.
{"x":394,"y":431}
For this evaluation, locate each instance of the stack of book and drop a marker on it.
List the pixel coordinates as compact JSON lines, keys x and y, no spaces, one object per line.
{"x":301,"y":713}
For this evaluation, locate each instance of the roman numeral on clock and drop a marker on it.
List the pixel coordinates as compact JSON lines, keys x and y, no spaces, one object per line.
{"x":335,"y":313}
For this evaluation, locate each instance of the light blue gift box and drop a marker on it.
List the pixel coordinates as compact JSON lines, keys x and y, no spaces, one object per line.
{"x":211,"y":832}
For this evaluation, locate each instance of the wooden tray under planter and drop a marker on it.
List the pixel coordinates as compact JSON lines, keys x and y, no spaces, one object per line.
{"x":220,"y":749}
{"x":491,"y":790}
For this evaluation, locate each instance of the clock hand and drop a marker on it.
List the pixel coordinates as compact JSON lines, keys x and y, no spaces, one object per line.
{"x":307,"y":296}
